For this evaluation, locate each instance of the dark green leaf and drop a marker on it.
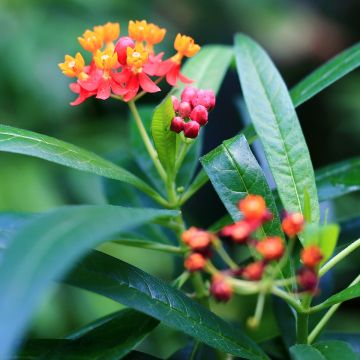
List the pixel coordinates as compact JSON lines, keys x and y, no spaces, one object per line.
{"x":128,"y":285}
{"x":277,"y":126}
{"x":352,"y":339}
{"x":326,"y":74}
{"x":111,"y":337}
{"x":349,"y":293}
{"x":45,"y":147}
{"x":235,"y":173}
{"x":305,"y":352}
{"x":137,"y":355}
{"x":46,"y":248}
{"x":338,"y":179}
{"x":164,"y":138}
{"x":207,"y":68}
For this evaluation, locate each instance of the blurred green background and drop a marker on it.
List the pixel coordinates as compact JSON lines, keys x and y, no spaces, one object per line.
{"x":36,"y":34}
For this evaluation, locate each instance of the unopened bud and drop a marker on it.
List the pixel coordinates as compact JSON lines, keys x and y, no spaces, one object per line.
{"x":122,"y":44}
{"x":188,"y":93}
{"x":307,"y":279}
{"x":211,"y":99}
{"x":220,"y":289}
{"x":184,"y":109}
{"x":199,"y":114}
{"x":197,"y":239}
{"x":204,"y":98}
{"x":175,"y":102}
{"x":254,"y":271}
{"x":239,"y":232}
{"x":271,"y":248}
{"x":191,"y":129}
{"x":177,"y":124}
{"x":293,"y":224}
{"x":195,"y":262}
{"x":311,"y":256}
{"x":253,"y":208}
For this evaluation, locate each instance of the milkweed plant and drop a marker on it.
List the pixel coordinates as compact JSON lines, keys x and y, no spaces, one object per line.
{"x":273,"y":245}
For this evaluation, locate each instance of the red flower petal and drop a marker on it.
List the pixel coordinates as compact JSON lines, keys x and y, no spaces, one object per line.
{"x":122,"y":77}
{"x":104,"y":89}
{"x":172,"y":75}
{"x":185,"y":79}
{"x":147,"y":84}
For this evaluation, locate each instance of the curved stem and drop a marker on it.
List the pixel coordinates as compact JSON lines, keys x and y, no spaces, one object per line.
{"x":340,"y":256}
{"x":148,"y":144}
{"x":288,"y":298}
{"x":200,"y":180}
{"x":149,"y":245}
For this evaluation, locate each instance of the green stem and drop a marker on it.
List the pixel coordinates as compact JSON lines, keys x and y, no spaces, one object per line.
{"x":254,"y":321}
{"x":195,"y":350}
{"x":200,"y":180}
{"x":288,"y":298}
{"x":321,"y":324}
{"x":181,"y":280}
{"x":223,"y":254}
{"x":150,"y":246}
{"x":337,"y":258}
{"x":302,"y":328}
{"x":147,"y":142}
{"x":200,"y":290}
{"x":181,"y":156}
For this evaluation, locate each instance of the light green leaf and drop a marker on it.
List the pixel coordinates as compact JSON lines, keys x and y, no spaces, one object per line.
{"x":349,"y":293}
{"x":276,"y":123}
{"x":131,"y":286}
{"x":45,"y":147}
{"x":164,"y":138}
{"x":111,"y":337}
{"x":326,"y":74}
{"x":235,"y":173}
{"x":46,"y":248}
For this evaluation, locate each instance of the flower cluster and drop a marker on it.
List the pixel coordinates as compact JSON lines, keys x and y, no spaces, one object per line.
{"x":265,"y":251}
{"x":122,"y":66}
{"x":192,"y":110}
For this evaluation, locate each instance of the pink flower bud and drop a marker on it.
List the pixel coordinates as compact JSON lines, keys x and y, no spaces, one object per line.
{"x":122,"y":44}
{"x":199,"y":114}
{"x":184,"y":109}
{"x":191,"y":129}
{"x":205,"y":98}
{"x":211,"y":99}
{"x":175,"y":102}
{"x":188,"y":93}
{"x":177,"y":124}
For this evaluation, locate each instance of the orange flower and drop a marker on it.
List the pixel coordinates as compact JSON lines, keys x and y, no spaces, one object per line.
{"x":137,"y":57}
{"x":185,"y":46}
{"x":195,"y":262}
{"x":73,"y":66}
{"x":138,"y":30}
{"x":197,"y":239}
{"x":253,"y":207}
{"x":107,"y":59}
{"x":108,"y":32}
{"x":293,"y":224}
{"x":271,"y":248}
{"x":91,"y":41}
{"x":311,"y":256}
{"x":153,"y":35}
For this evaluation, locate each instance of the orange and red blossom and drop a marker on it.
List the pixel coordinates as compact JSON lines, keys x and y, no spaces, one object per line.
{"x":74,"y":66}
{"x":271,"y":248}
{"x":220,"y":289}
{"x":195,"y":262}
{"x":293,"y":224}
{"x":197,"y":239}
{"x":239,"y":232}
{"x":311,"y":256}
{"x":108,"y":32}
{"x":91,"y":41}
{"x":253,"y":207}
{"x":254,"y":271}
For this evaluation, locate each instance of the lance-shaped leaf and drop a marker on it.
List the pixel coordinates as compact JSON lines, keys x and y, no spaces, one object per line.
{"x":326,"y":74}
{"x":276,"y":123}
{"x":235,"y":173}
{"x":46,"y":248}
{"x":164,"y":138}
{"x":131,"y":286}
{"x":110,"y":337}
{"x":48,"y":148}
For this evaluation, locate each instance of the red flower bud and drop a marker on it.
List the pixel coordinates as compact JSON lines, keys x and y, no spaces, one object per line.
{"x":311,"y":256}
{"x":184,"y":109}
{"x":122,"y":44}
{"x":188,"y":93}
{"x":191,"y":129}
{"x":211,"y":99}
{"x":195,"y":262}
{"x":253,"y":208}
{"x":175,"y":102}
{"x":199,"y":114}
{"x":239,"y":232}
{"x":307,"y":279}
{"x":197,"y":239}
{"x":254,"y":271}
{"x":293,"y":224}
{"x":177,"y":124}
{"x":205,"y":98}
{"x":220,"y":289}
{"x":271,"y":248}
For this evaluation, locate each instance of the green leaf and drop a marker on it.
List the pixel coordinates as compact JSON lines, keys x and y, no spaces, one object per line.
{"x":46,"y":248}
{"x":235,"y":173}
{"x":130,"y":286}
{"x":349,"y":293}
{"x":338,"y":179}
{"x":326,"y":74}
{"x":45,"y":147}
{"x":307,"y":206}
{"x":276,"y":123}
{"x":207,"y":68}
{"x":323,"y":350}
{"x":164,"y":138}
{"x":111,"y":337}
{"x":323,"y":236}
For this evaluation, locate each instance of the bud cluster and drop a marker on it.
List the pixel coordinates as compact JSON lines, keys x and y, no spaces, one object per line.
{"x":192,"y":111}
